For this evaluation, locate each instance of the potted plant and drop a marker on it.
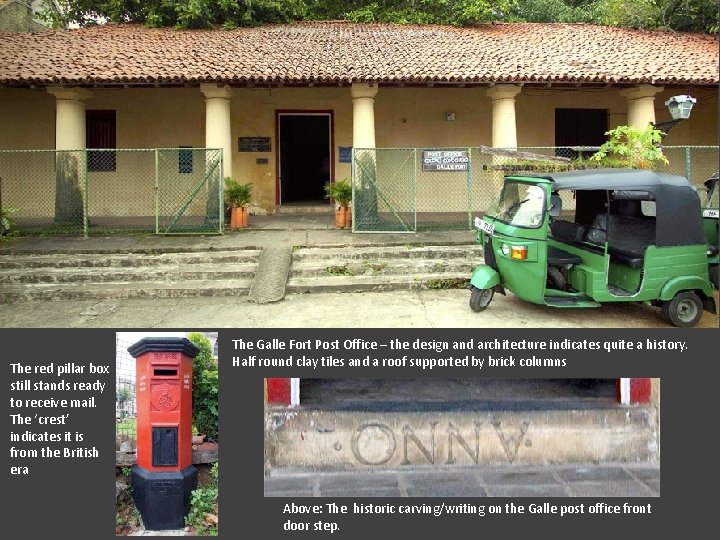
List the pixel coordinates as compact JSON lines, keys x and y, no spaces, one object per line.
{"x":237,"y":196}
{"x":341,"y":192}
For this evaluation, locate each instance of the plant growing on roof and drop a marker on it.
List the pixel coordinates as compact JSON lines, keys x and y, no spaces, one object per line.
{"x":630,"y":146}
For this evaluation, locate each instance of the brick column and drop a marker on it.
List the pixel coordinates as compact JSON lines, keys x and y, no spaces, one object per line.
{"x":217,"y":122}
{"x":641,"y":104}
{"x":363,"y":96}
{"x":504,"y":128}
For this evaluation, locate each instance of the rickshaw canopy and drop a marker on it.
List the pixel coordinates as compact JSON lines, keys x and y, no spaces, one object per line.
{"x":678,"y":214}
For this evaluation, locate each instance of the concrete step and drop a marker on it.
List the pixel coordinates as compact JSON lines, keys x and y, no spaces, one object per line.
{"x":125,"y":290}
{"x":379,"y":268}
{"x":385,"y":267}
{"x":462,"y":251}
{"x":127,"y":260}
{"x":322,"y":440}
{"x":80,"y":276}
{"x":396,"y":282}
{"x":166,"y":272}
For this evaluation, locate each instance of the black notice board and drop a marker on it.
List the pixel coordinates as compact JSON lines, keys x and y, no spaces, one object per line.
{"x":254,"y":144}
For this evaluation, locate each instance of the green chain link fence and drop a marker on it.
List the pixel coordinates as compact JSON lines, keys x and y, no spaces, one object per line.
{"x":411,"y":189}
{"x":92,"y":192}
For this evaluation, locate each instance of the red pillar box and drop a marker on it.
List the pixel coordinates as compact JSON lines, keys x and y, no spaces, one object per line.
{"x":163,"y":475}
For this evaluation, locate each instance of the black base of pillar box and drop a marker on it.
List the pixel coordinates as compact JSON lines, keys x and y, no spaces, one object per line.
{"x":163,"y":498}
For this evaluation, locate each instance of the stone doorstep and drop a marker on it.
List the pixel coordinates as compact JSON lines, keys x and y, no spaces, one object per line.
{"x":337,"y":441}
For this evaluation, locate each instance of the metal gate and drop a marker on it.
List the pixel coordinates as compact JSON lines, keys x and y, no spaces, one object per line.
{"x":102,"y":191}
{"x":411,"y":189}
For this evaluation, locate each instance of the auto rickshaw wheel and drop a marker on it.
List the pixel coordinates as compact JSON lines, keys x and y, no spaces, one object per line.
{"x":684,"y":310}
{"x":555,"y":279}
{"x":480,"y":298}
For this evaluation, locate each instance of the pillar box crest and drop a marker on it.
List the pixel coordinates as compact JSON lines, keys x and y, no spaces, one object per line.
{"x":163,"y":475}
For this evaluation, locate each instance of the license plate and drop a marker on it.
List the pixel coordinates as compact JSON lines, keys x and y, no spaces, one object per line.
{"x":711,"y":213}
{"x":484,"y":226}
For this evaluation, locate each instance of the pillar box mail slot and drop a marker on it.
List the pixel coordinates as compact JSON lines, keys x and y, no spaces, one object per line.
{"x":163,"y":476}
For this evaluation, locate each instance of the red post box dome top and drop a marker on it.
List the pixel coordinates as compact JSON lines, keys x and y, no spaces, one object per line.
{"x":164,"y":344}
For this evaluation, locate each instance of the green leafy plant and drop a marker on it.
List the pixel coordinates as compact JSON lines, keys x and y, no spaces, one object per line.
{"x":205,"y":387}
{"x":203,"y":504}
{"x":236,"y":194}
{"x":448,"y":283}
{"x":7,"y":224}
{"x":630,"y":146}
{"x":339,"y":270}
{"x":341,"y":191}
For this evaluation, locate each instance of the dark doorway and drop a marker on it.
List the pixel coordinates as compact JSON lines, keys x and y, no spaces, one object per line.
{"x":305,"y":156}
{"x":579,"y":127}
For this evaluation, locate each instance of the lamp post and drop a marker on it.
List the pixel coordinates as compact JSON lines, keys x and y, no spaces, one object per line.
{"x":679,"y":107}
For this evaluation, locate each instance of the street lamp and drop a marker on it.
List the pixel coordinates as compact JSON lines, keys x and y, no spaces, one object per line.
{"x":679,"y":107}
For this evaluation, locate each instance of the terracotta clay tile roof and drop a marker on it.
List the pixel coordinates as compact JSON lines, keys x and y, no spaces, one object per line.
{"x":342,"y":52}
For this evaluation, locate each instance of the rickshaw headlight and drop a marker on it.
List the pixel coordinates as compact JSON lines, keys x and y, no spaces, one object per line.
{"x":519,"y":252}
{"x":505,"y":250}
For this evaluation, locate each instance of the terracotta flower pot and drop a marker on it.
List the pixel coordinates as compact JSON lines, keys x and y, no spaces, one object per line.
{"x":342,"y":217}
{"x":238,"y":217}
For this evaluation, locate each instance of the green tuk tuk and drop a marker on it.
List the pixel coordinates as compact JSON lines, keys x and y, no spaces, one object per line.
{"x":633,"y":236}
{"x":711,"y":217}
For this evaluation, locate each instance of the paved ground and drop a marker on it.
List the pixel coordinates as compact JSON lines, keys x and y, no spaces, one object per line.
{"x":398,"y":309}
{"x":550,"y":481}
{"x":393,"y":309}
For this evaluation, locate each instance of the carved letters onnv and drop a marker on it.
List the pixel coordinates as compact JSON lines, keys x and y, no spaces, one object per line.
{"x":375,"y":443}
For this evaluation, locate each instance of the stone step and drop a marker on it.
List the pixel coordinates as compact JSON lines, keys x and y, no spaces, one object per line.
{"x":341,"y":283}
{"x":383,"y":267}
{"x":179,"y":271}
{"x":126,"y":290}
{"x":127,"y":260}
{"x":318,"y":440}
{"x":388,"y":252}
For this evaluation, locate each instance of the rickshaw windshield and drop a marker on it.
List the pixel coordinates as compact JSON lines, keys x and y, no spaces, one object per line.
{"x":519,"y":204}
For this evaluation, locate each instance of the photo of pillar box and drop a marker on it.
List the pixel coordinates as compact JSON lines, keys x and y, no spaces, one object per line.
{"x":164,"y":476}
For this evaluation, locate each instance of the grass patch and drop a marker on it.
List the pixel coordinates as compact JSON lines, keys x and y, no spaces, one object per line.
{"x":448,"y":283}
{"x":339,"y":270}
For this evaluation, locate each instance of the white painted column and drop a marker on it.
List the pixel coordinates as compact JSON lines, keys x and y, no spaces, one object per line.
{"x":217,"y":122}
{"x":641,"y":104}
{"x":69,"y":117}
{"x":363,"y":96}
{"x":504,"y":128}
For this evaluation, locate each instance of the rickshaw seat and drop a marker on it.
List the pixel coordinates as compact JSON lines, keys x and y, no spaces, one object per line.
{"x":559,"y":257}
{"x":627,"y":258}
{"x":567,"y":231}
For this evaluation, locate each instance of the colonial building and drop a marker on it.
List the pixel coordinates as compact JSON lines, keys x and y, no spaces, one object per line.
{"x":286,"y":103}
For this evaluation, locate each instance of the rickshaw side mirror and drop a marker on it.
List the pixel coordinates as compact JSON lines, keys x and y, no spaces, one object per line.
{"x":555,"y":205}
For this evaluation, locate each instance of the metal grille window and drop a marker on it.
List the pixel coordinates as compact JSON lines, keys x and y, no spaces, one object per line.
{"x":579,"y":128}
{"x":100,"y":133}
{"x":185,"y":160}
